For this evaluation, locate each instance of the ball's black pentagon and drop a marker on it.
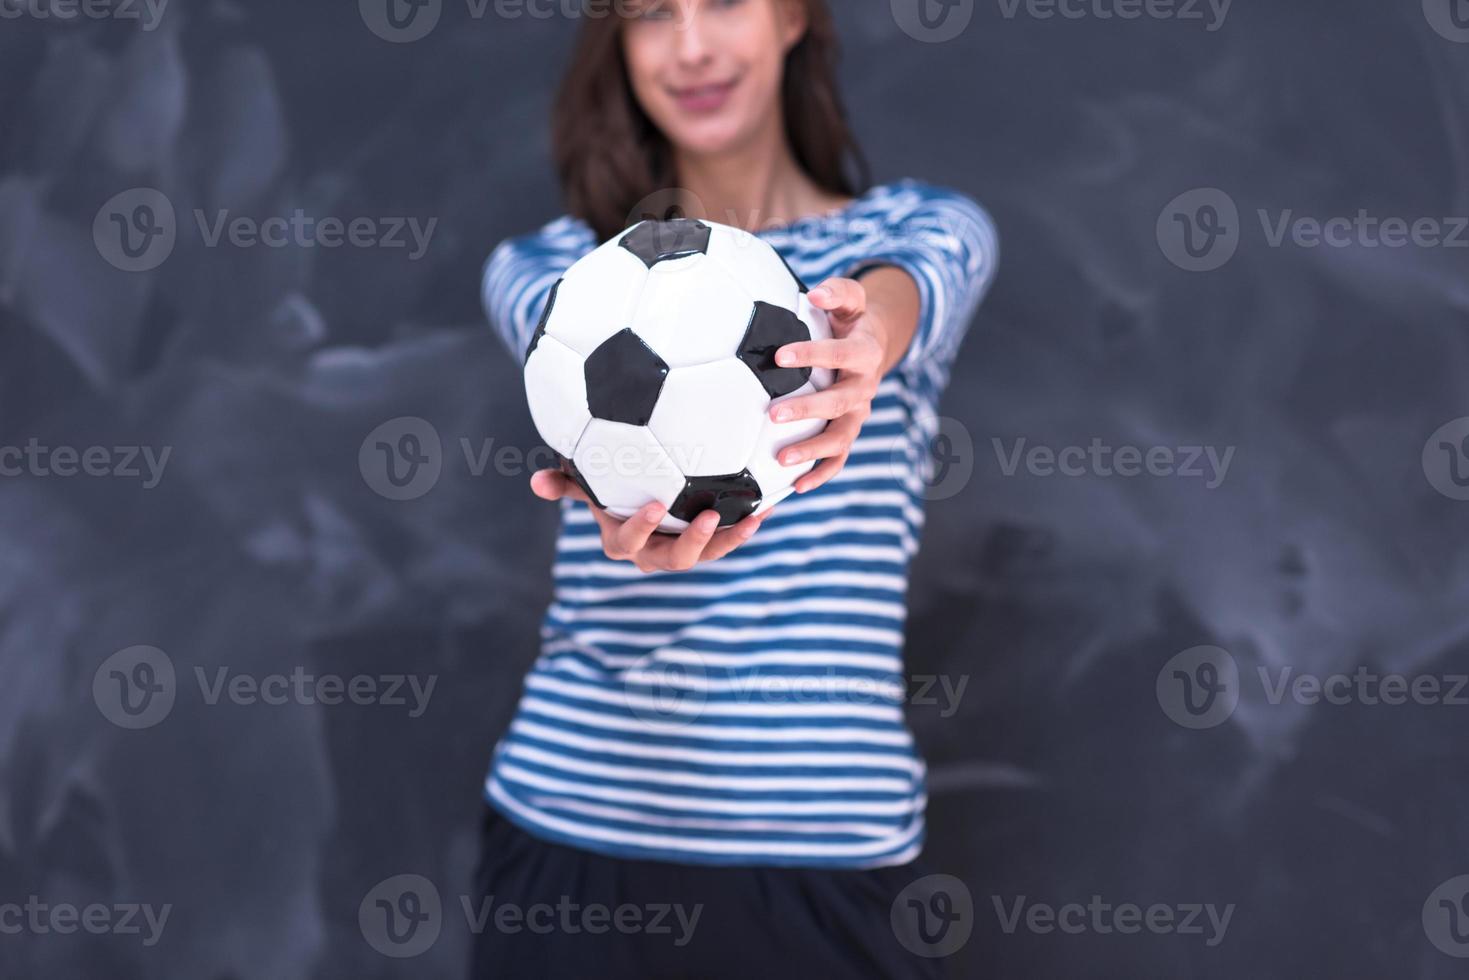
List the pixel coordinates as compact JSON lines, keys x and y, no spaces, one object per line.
{"x":734,"y":496}
{"x":800,"y":284}
{"x":662,"y":241}
{"x":569,"y":468}
{"x":771,"y":328}
{"x":541,"y":327}
{"x":624,"y":377}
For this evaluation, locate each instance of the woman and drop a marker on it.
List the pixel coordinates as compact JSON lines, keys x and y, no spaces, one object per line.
{"x":775,"y":813}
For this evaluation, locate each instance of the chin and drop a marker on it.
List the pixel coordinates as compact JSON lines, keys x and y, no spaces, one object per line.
{"x":709,"y":137}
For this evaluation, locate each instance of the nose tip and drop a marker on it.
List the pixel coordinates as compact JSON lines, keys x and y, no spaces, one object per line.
{"x":689,"y":39}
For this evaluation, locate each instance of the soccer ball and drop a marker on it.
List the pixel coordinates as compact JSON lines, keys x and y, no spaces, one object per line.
{"x":652,"y":371}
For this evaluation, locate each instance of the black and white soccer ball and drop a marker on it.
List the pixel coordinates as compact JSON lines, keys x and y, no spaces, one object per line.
{"x":652,"y":371}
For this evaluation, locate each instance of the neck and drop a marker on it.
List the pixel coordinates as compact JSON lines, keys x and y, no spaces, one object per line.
{"x":753,"y":187}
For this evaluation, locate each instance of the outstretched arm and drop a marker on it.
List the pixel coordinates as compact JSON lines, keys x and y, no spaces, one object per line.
{"x":872,"y":323}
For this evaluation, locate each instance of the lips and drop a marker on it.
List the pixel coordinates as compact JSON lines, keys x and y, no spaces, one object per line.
{"x":704,"y":98}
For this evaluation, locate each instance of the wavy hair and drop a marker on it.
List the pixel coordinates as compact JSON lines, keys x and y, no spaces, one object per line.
{"x":610,"y":156}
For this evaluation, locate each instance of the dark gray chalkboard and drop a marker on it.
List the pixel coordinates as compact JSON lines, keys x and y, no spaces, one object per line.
{"x":269,"y":542}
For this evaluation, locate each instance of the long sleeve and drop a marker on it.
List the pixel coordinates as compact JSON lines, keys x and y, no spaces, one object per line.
{"x":948,"y":244}
{"x":520,"y":272}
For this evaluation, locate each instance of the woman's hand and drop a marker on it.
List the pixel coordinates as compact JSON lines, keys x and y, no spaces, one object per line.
{"x":634,"y":539}
{"x":857,"y":352}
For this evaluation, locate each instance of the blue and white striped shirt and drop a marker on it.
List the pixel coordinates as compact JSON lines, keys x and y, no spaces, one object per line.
{"x":750,"y":710}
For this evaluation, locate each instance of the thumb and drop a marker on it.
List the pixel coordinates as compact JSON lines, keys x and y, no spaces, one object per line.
{"x":553,"y":485}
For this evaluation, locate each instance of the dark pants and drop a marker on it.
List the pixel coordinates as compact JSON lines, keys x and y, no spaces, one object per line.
{"x":656,"y":920}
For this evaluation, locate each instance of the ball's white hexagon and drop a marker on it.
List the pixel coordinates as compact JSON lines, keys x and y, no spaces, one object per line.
{"x":755,"y":265}
{"x":708,"y":416}
{"x":820,"y":326}
{"x":626,"y":467}
{"x":776,"y":479}
{"x":693,"y":317}
{"x":556,"y":389}
{"x":597,"y":297}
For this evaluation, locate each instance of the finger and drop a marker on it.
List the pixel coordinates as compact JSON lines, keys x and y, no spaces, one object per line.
{"x":612,"y":528}
{"x":684,"y":553}
{"x":606,"y":522}
{"x":553,"y":485}
{"x":824,"y":471}
{"x":845,"y":396}
{"x":858,"y":352}
{"x":654,"y":556}
{"x":732,"y":537}
{"x":631,"y":536}
{"x":844,"y":299}
{"x":835,"y":439}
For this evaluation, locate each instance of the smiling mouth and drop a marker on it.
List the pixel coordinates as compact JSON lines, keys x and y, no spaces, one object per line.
{"x":704,"y":98}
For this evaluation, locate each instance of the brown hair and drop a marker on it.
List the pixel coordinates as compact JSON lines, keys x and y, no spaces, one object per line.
{"x":610,"y":156}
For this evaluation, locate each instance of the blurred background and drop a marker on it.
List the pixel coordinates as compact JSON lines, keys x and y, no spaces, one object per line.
{"x":1215,"y":663}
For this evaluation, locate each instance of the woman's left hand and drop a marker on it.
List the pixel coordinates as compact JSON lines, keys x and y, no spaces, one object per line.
{"x":856,"y":352}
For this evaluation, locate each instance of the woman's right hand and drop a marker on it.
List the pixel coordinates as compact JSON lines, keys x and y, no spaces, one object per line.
{"x":635,"y":539}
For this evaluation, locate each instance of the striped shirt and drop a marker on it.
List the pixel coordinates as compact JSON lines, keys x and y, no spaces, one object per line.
{"x":750,"y":710}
